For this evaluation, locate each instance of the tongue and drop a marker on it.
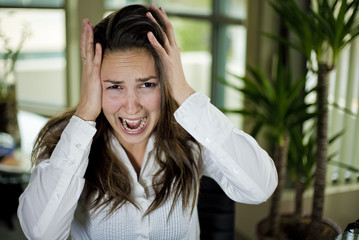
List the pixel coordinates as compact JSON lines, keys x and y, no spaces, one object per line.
{"x":133,"y":125}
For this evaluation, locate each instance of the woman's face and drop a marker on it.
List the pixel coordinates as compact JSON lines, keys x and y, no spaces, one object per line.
{"x":131,"y":95}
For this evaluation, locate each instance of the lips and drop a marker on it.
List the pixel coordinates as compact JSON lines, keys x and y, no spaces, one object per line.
{"x":133,"y":126}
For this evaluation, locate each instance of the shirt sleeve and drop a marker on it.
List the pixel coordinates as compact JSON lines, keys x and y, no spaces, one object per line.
{"x":46,"y":207}
{"x":231,"y":157}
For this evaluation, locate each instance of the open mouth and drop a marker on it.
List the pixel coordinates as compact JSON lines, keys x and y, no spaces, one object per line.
{"x":133,"y":126}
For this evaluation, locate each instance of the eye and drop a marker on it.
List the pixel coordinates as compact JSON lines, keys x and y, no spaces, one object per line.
{"x":114,"y":87}
{"x":148,"y":85}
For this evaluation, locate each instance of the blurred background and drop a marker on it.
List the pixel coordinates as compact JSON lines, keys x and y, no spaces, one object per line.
{"x":218,"y":38}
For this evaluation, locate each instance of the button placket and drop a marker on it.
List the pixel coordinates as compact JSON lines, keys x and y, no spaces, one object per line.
{"x":144,"y":228}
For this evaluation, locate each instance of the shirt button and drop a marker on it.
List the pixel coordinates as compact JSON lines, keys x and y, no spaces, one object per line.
{"x":57,"y":195}
{"x":208,"y":140}
{"x":72,"y":162}
{"x":235,"y":170}
{"x":78,"y":145}
{"x":142,"y":203}
{"x":143,"y":236}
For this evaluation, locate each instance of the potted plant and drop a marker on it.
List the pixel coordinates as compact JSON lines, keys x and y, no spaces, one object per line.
{"x":324,"y":31}
{"x":8,"y":104}
{"x":301,"y":166}
{"x":275,"y":106}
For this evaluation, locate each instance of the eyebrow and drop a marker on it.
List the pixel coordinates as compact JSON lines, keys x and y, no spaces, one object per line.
{"x":146,"y":79}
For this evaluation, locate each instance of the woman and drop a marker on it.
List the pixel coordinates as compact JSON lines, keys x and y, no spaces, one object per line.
{"x":126,"y":163}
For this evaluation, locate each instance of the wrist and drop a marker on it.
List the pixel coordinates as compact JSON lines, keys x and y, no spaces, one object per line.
{"x":84,"y":116}
{"x":182,"y":94}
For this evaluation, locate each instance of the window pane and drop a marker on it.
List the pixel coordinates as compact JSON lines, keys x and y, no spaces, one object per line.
{"x":187,"y":6}
{"x":235,"y":64}
{"x":234,"y":8}
{"x":40,"y":70}
{"x":32,"y":3}
{"x":115,"y":4}
{"x":193,"y":37}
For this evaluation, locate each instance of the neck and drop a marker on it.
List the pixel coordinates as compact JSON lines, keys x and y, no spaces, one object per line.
{"x":136,"y":153}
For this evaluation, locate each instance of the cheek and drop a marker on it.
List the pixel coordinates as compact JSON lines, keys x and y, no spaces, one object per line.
{"x":110,"y":104}
{"x":153,"y":102}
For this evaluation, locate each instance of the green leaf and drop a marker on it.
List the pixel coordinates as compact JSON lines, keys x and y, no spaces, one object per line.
{"x":344,"y":165}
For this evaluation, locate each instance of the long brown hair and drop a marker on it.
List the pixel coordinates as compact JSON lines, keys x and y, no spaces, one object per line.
{"x":107,"y":178}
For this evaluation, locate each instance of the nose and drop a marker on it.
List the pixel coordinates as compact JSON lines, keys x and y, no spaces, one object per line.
{"x":132,"y":104}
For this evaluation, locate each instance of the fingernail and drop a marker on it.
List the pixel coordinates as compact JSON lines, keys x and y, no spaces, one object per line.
{"x":153,"y":6}
{"x":150,"y":35}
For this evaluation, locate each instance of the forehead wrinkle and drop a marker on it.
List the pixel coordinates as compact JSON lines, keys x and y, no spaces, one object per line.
{"x":113,"y":81}
{"x":129,"y":58}
{"x":133,"y":64}
{"x":146,"y":79}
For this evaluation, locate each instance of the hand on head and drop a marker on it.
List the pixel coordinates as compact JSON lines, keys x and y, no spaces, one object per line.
{"x":91,"y":88}
{"x":171,"y":56}
{"x":90,"y":103}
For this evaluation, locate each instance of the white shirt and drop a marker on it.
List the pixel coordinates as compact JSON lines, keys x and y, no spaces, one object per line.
{"x":48,"y":206}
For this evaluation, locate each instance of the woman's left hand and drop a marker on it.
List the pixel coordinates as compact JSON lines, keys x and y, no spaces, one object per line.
{"x":170,"y":54}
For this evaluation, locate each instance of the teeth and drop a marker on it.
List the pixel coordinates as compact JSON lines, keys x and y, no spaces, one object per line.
{"x":125,"y":121}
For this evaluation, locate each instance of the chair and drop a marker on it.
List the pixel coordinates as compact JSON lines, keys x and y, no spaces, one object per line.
{"x":215,"y":212}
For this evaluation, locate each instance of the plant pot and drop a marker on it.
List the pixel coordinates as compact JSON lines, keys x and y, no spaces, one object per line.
{"x":296,"y":229}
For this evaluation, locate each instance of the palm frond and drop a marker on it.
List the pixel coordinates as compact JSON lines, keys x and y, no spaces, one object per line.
{"x":344,"y":165}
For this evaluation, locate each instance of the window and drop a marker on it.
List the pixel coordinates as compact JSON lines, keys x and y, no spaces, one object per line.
{"x":193,"y":38}
{"x":40,"y":72}
{"x":344,"y":114}
{"x":211,"y":34}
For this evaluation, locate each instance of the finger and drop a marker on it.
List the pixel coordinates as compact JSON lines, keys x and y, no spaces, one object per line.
{"x":83,"y":38}
{"x":166,"y":43}
{"x":163,"y":11}
{"x":98,"y":56}
{"x":156,"y":45}
{"x":150,"y":16}
{"x":168,"y":26}
{"x":89,"y":43}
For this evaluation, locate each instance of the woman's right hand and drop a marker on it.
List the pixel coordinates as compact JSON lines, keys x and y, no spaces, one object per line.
{"x":90,"y":103}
